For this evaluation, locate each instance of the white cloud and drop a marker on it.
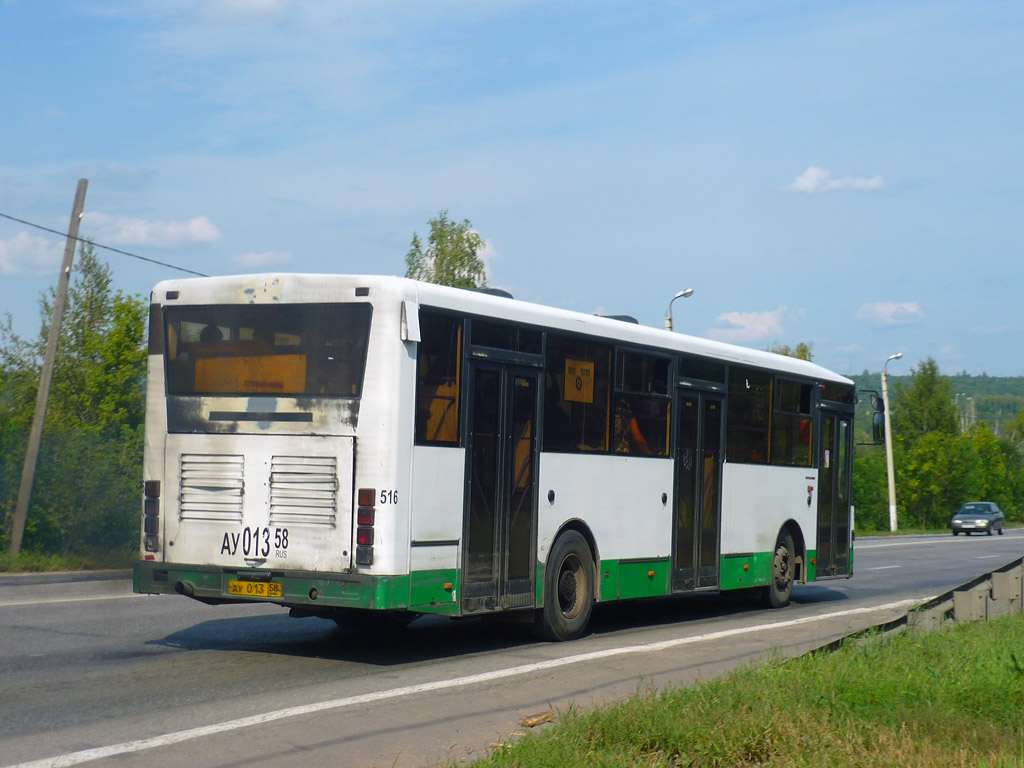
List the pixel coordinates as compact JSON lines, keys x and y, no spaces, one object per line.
{"x":122,"y":230}
{"x":816,"y":179}
{"x":26,"y":254}
{"x":488,"y":255}
{"x":263,"y":259}
{"x":891,"y":313}
{"x":748,"y":326}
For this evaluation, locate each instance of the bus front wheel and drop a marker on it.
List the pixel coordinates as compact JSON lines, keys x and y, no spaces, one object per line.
{"x":568,"y":589}
{"x":780,"y":588}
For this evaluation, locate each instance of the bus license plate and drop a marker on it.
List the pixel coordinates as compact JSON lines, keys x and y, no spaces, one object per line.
{"x":254,"y":588}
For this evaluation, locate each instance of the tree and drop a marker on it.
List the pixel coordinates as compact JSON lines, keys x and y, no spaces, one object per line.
{"x":86,"y":491}
{"x":1015,"y":431}
{"x":993,"y":479}
{"x":870,"y":492}
{"x":925,"y":406}
{"x":451,"y":256}
{"x":802,"y":351}
{"x":936,"y":474}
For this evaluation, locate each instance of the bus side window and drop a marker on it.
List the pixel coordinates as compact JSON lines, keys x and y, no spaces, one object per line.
{"x":438,"y":378}
{"x":641,"y":404}
{"x":792,"y":428}
{"x":577,"y":395}
{"x":749,"y":416}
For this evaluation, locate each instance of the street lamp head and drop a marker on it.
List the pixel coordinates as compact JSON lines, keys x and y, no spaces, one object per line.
{"x":684,"y":294}
{"x":897,"y":356}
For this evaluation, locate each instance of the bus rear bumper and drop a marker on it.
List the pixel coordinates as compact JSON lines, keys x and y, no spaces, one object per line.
{"x":294,"y":589}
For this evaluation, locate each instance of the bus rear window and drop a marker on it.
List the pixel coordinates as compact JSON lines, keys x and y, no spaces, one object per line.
{"x":294,"y":350}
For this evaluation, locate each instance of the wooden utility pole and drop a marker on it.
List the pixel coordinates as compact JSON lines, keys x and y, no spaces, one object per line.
{"x":35,"y":437}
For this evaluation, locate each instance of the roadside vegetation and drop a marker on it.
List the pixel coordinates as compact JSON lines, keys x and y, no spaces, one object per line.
{"x":86,"y":497}
{"x":34,"y":562}
{"x":952,"y":697}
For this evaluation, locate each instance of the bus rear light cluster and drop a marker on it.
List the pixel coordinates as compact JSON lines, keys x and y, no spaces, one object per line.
{"x":151,"y":514}
{"x":366,"y":514}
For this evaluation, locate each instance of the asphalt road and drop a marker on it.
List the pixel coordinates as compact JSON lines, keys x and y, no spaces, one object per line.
{"x":87,"y":668}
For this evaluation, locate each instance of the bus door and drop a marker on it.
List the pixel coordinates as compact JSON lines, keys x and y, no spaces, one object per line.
{"x":501,"y":470}
{"x":835,"y":468}
{"x":698,"y":494}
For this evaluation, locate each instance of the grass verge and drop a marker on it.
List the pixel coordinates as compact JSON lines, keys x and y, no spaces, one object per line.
{"x":954,"y":697}
{"x":29,"y":562}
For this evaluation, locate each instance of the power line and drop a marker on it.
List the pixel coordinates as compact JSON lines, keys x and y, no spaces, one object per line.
{"x":100,"y":245}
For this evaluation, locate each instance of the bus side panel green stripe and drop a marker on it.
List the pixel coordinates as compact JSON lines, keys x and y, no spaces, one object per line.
{"x":624,"y":579}
{"x":745,"y":571}
{"x":609,"y":580}
{"x":427,"y":592}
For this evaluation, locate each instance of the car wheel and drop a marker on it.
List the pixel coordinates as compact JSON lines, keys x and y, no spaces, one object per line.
{"x":1000,"y":531}
{"x":955,"y":532}
{"x":990,"y":530}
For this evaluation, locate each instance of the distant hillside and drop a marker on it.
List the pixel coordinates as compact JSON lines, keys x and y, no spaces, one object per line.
{"x":994,"y":400}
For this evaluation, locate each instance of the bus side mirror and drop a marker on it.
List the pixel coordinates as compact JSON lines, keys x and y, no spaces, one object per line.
{"x":878,"y":427}
{"x":877,"y":416}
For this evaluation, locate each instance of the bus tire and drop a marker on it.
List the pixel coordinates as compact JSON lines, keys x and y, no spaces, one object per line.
{"x":780,"y":588}
{"x":568,"y":589}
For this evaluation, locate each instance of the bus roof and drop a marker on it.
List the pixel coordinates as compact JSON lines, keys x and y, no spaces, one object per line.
{"x":310,"y":288}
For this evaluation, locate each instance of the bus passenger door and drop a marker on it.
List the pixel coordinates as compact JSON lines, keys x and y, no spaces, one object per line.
{"x":698,"y":473}
{"x":501,"y":510}
{"x":834,"y":476}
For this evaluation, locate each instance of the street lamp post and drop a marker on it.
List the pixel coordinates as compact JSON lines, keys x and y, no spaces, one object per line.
{"x":888,"y":441}
{"x":681,"y":295}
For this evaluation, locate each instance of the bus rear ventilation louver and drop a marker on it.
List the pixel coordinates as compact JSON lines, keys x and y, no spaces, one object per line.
{"x":212,"y":487}
{"x":303,"y":490}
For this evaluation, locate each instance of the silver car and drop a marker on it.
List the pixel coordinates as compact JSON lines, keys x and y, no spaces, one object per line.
{"x":978,"y":517}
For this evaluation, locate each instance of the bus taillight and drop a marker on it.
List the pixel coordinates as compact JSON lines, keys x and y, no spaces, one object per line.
{"x":365,"y":516}
{"x":151,"y":513}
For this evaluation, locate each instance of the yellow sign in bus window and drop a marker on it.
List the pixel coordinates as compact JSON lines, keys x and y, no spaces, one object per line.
{"x":579,"y":381}
{"x":281,"y":374}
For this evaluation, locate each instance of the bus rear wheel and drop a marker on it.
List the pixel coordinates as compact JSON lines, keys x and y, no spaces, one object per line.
{"x":568,"y":589}
{"x":780,"y":588}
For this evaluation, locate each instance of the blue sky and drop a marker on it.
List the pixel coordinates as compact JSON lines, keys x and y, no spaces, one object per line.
{"x":844,"y":174}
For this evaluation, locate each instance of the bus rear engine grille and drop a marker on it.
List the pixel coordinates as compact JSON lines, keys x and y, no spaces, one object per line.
{"x":212,"y":487}
{"x":303,"y":490}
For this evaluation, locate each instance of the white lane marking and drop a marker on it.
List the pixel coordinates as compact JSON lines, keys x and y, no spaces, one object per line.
{"x":884,"y":567}
{"x":936,"y":540}
{"x":75,"y":758}
{"x":66,"y":600}
{"x":987,"y":557}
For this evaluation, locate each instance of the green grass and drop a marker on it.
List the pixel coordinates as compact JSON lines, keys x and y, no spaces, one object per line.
{"x":954,"y":697}
{"x":29,"y":562}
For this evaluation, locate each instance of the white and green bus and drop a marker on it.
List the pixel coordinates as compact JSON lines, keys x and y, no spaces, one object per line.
{"x":346,"y":445}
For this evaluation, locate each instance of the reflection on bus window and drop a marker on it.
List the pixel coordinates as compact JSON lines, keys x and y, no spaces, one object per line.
{"x":295,"y":350}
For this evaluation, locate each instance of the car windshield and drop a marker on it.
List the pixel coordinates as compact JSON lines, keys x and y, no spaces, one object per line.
{"x":975,"y":509}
